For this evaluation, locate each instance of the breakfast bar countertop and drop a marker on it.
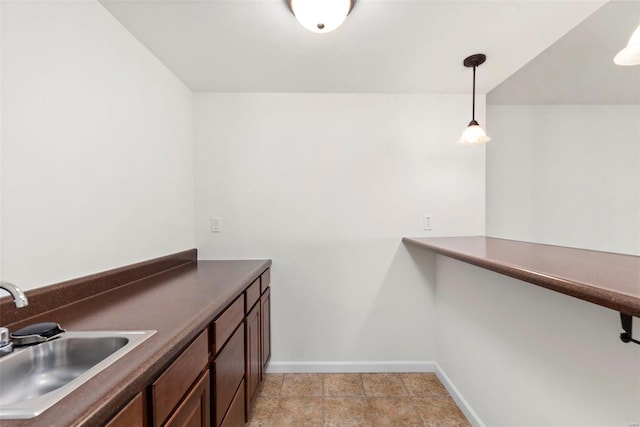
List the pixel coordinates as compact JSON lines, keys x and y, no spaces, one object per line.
{"x":608,"y":279}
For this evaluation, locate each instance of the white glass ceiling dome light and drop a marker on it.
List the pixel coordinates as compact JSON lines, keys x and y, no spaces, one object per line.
{"x":474,"y":134}
{"x":321,"y":16}
{"x":630,"y":55}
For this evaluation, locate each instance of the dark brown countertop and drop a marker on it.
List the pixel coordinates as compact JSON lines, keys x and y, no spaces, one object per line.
{"x":607,"y":279}
{"x":178,"y":304}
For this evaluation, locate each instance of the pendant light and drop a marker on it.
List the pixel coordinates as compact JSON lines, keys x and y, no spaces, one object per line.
{"x":630,"y":55}
{"x":321,"y":16}
{"x":474,"y":134}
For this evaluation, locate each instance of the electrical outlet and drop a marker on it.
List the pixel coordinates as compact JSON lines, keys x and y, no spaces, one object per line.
{"x":216,"y":225}
{"x":427,"y":222}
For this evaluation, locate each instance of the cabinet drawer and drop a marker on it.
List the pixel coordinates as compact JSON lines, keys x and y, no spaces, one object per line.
{"x":235,"y":415}
{"x":228,"y":373}
{"x":131,"y":415}
{"x":227,"y":322}
{"x":194,"y":410}
{"x":252,"y":294}
{"x":173,"y":384}
{"x":265,"y":280}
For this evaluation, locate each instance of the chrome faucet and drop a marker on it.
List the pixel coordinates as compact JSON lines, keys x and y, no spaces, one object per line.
{"x":20,"y":300}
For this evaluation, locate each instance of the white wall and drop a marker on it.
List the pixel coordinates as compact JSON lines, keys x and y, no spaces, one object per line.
{"x":526,"y":356}
{"x":326,"y":185}
{"x":565,"y":174}
{"x":97,"y":147}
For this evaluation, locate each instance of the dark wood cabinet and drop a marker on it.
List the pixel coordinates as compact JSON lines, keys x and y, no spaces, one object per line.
{"x":176,"y":381}
{"x":257,"y":338}
{"x":132,"y":415}
{"x":228,"y":373}
{"x":195,"y":409}
{"x":253,"y":357}
{"x":213,"y":381}
{"x":252,"y":294}
{"x":235,"y":414}
{"x":227,"y":322}
{"x":265,"y":329}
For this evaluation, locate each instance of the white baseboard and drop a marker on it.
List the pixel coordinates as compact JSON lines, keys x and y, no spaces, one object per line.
{"x":404,"y":366}
{"x":337,"y":367}
{"x":462,"y":403}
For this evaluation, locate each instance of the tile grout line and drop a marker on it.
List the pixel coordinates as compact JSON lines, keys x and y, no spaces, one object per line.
{"x":275,"y":415}
{"x":411,"y":400}
{"x":324,"y":410}
{"x":366,"y":399}
{"x":410,"y":397}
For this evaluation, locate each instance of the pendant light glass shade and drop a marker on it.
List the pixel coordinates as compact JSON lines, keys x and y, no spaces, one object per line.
{"x":630,"y":55}
{"x":474,"y":134}
{"x":321,"y":16}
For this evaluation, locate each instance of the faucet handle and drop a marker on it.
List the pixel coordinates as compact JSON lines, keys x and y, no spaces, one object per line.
{"x":6,"y":346}
{"x":4,"y":337}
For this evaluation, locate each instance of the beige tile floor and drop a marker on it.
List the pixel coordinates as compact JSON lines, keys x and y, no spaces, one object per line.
{"x":354,"y":400}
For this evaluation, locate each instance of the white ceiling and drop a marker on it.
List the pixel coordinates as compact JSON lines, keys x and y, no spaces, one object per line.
{"x":579,"y":68}
{"x":384,"y":46}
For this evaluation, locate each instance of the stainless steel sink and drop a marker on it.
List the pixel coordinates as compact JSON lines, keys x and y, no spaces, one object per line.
{"x":34,"y":378}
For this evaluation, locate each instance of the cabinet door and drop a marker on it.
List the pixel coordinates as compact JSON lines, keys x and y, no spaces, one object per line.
{"x":168,"y":390}
{"x":194,"y":410}
{"x":132,"y":415}
{"x":229,"y":372}
{"x":265,"y":328}
{"x":235,"y":414}
{"x":253,"y":359}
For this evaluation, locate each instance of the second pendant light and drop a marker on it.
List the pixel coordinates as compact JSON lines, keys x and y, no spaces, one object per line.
{"x":474,"y":134}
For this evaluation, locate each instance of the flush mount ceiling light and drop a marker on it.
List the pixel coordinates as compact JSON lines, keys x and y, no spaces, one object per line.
{"x":630,"y":55}
{"x":320,"y":16}
{"x":474,"y":134}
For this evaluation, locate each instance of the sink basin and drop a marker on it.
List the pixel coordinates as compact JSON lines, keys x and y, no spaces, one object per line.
{"x":34,"y":378}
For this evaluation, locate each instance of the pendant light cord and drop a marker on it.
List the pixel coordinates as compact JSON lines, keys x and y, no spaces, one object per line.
{"x":473,"y":103}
